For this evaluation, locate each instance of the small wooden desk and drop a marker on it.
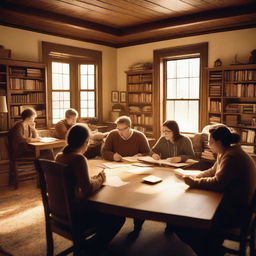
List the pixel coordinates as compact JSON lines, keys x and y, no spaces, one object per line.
{"x":169,"y":201}
{"x":38,"y":146}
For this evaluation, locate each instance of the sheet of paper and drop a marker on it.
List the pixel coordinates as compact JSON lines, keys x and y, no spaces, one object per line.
{"x":111,"y":165}
{"x":114,"y":181}
{"x":130,"y":159}
{"x":182,"y":172}
{"x":139,"y":170}
{"x":47,"y":139}
{"x":143,"y":164}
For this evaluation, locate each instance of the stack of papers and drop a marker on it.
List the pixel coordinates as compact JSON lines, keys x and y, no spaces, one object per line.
{"x":182,"y":172}
{"x":47,"y":139}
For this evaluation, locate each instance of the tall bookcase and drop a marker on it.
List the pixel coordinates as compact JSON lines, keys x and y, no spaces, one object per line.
{"x":140,"y":100}
{"x":232,"y":101}
{"x":23,"y":83}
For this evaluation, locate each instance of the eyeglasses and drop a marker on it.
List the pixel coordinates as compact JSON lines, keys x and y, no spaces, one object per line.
{"x":122,"y":129}
{"x":166,"y":132}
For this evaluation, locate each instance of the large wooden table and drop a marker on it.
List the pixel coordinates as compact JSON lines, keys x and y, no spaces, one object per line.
{"x":38,"y":146}
{"x":169,"y":201}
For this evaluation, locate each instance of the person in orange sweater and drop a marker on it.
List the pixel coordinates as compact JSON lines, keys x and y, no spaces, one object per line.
{"x":107,"y":226}
{"x":233,"y":174}
{"x":62,"y":127}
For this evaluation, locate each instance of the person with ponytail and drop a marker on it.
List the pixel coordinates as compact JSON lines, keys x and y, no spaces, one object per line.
{"x":107,"y":226}
{"x":233,"y":174}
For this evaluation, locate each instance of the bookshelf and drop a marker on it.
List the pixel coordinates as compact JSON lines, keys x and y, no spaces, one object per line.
{"x":140,"y":100}
{"x":23,"y":82}
{"x":232,"y":101}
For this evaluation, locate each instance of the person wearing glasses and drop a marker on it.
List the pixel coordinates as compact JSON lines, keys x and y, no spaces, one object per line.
{"x":172,"y":145}
{"x":124,"y":141}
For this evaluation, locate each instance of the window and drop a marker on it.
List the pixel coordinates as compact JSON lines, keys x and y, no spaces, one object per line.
{"x":74,"y":76}
{"x":180,"y":91}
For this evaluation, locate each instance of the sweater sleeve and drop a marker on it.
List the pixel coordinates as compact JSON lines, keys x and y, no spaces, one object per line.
{"x":18,"y":134}
{"x":34,"y":132}
{"x":107,"y":150}
{"x":187,"y":149}
{"x":143,"y":145}
{"x":60,"y":130}
{"x":223,"y":176}
{"x":157,"y":147}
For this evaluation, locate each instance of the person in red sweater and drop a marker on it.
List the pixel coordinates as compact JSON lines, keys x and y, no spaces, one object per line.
{"x":124,"y":141}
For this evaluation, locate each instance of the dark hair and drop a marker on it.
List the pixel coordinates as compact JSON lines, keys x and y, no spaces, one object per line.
{"x":76,"y":137}
{"x":173,"y":126}
{"x":28,"y":112}
{"x":93,"y":120}
{"x":223,"y":134}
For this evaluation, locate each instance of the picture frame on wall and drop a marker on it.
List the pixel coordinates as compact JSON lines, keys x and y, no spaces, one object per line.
{"x":123,"y":97}
{"x":115,"y":96}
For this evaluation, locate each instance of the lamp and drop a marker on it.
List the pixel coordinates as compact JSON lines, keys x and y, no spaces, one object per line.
{"x":3,"y":109}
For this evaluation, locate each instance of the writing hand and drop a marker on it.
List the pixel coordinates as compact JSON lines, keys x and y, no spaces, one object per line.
{"x":103,"y":175}
{"x":156,"y":156}
{"x":117,"y":157}
{"x":175,"y":159}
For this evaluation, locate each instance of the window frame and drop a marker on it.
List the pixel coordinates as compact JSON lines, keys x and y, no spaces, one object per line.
{"x":74,"y":56}
{"x":160,"y":56}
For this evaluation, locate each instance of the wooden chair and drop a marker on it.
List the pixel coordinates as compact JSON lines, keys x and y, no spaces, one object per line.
{"x":61,"y":216}
{"x":20,"y":167}
{"x":245,"y":235}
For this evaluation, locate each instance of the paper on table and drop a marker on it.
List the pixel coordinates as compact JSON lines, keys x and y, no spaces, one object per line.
{"x":111,"y":165}
{"x":47,"y":139}
{"x":182,"y":172}
{"x":114,"y":181}
{"x":139,"y":170}
{"x":131,"y":159}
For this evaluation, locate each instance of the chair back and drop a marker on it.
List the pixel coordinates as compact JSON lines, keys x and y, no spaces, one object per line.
{"x":58,"y":194}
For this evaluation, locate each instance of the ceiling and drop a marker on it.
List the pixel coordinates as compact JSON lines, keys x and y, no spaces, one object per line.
{"x":120,"y":23}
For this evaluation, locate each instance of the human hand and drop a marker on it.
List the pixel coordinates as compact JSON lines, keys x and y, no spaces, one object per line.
{"x":175,"y":159}
{"x":32,"y":124}
{"x":117,"y":157}
{"x":188,"y":180}
{"x":156,"y":156}
{"x":137,"y":155}
{"x":103,"y":175}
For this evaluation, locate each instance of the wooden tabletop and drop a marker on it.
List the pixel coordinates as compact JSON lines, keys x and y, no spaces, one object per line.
{"x":170,"y":200}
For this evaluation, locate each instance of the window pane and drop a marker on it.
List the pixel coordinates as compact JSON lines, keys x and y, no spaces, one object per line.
{"x":84,"y":84}
{"x":87,"y":104}
{"x":60,"y":76}
{"x":91,"y":82}
{"x":193,"y":88}
{"x":182,"y":68}
{"x":182,"y":88}
{"x":194,"y":67}
{"x":60,"y":103}
{"x":91,"y":69}
{"x":171,"y":69}
{"x":185,"y":113}
{"x":171,"y":88}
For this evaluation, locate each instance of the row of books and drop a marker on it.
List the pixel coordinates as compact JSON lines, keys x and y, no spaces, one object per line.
{"x":141,"y":66}
{"x":143,"y":129}
{"x":37,"y":97}
{"x":248,"y":149}
{"x":140,"y":98}
{"x":141,"y":119}
{"x":215,"y":90}
{"x":240,"y":108}
{"x":22,"y":71}
{"x":26,"y":84}
{"x":215,"y":106}
{"x":140,"y":109}
{"x":240,"y":90}
{"x":214,"y":119}
{"x":17,"y":110}
{"x":248,"y":136}
{"x":145,"y":87}
{"x":240,"y":75}
{"x":243,"y":120}
{"x":140,"y":78}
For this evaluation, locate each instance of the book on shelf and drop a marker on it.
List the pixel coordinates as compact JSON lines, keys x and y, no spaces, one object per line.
{"x":248,"y":149}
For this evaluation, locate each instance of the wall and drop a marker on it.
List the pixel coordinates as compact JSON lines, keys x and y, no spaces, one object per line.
{"x":26,"y":45}
{"x":224,"y":45}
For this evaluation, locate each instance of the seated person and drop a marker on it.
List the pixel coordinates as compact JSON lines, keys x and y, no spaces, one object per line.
{"x":172,"y":145}
{"x":106,"y":225}
{"x":234,"y":174}
{"x":124,"y":141}
{"x":24,"y":132}
{"x":63,"y":126}
{"x":96,"y":139}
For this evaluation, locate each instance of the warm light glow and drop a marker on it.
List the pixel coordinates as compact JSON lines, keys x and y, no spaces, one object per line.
{"x":3,"y":105}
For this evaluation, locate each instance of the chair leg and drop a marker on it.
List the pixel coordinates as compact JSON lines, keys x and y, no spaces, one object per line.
{"x":13,"y":175}
{"x":252,"y":239}
{"x":49,"y":240}
{"x":242,"y":249}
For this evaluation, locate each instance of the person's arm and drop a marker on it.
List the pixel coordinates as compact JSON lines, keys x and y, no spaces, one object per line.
{"x":60,"y":130}
{"x":107,"y":150}
{"x":223,"y":176}
{"x":156,"y":149}
{"x":144,"y":148}
{"x":187,"y":149}
{"x":34,"y":133}
{"x":86,"y":185}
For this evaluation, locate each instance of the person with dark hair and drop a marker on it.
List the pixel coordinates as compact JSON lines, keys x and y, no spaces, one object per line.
{"x":107,"y":226}
{"x":233,"y":174}
{"x":62,"y":127}
{"x":24,"y":132}
{"x":172,"y":145}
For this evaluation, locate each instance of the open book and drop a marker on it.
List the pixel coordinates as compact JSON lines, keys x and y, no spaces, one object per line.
{"x":182,"y":172}
{"x":151,"y":160}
